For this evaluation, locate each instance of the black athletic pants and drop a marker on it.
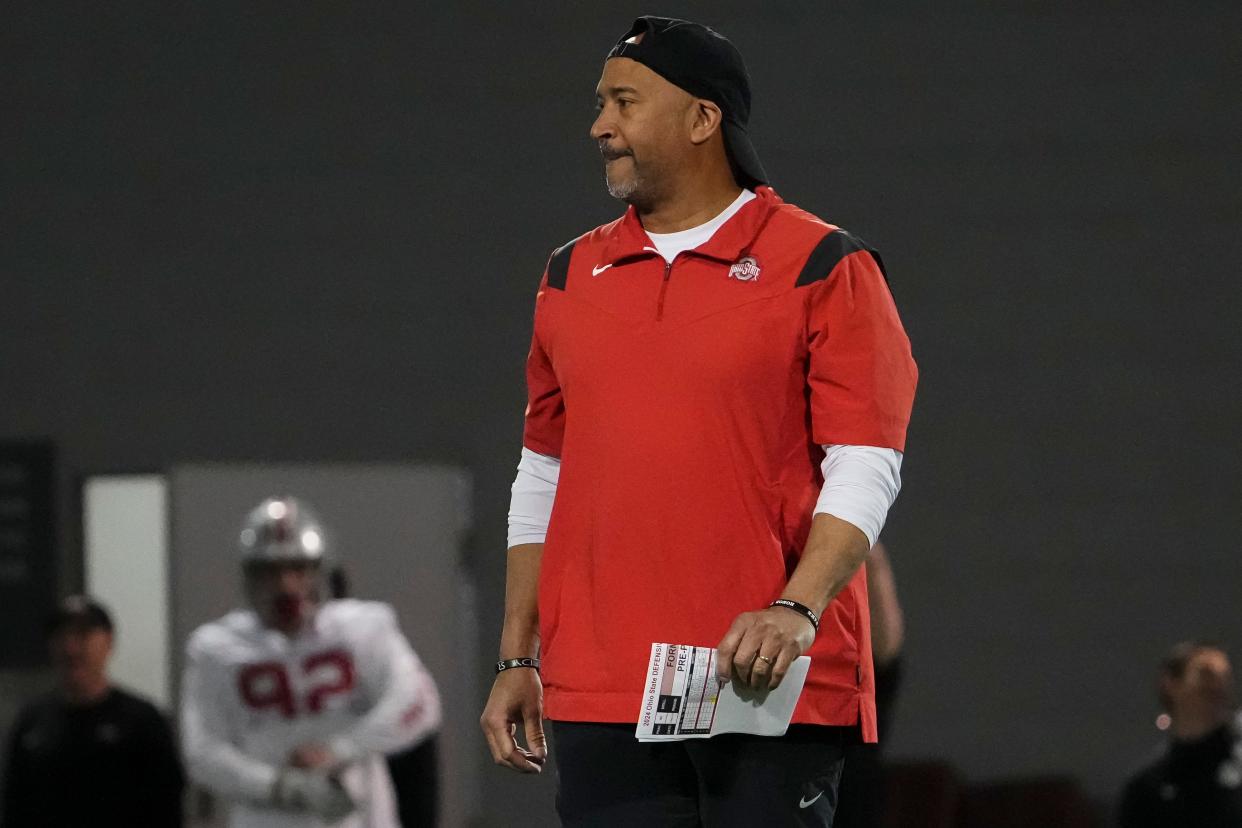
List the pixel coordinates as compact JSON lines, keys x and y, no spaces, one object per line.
{"x":608,"y":778}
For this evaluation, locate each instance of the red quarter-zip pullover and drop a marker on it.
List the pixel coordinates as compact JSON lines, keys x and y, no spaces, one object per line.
{"x":688,"y":403}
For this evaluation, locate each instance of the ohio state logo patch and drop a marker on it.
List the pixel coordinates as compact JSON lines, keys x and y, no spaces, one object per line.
{"x":745,"y":269}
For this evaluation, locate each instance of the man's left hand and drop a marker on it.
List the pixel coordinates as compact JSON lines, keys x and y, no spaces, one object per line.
{"x":760,"y":646}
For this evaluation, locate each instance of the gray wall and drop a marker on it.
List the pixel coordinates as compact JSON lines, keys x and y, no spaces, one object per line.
{"x":234,"y":233}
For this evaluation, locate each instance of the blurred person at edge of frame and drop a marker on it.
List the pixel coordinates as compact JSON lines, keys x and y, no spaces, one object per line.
{"x":290,"y":704}
{"x":862,"y":777}
{"x":90,"y":753}
{"x":1195,"y":778}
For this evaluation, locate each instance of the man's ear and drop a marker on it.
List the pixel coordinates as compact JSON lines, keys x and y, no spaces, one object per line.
{"x":705,"y":121}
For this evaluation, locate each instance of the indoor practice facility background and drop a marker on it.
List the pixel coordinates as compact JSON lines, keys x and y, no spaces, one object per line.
{"x":313,"y":233}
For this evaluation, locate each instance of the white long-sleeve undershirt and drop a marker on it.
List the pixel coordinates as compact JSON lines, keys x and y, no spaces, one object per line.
{"x":534,"y":490}
{"x":860,"y":485}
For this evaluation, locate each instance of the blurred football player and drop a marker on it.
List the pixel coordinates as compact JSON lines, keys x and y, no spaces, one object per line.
{"x":289,"y":706}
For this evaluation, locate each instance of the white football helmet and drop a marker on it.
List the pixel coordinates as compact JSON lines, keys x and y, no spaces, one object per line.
{"x":282,"y":530}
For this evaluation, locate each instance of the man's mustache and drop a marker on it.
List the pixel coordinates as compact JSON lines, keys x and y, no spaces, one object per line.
{"x":611,"y":154}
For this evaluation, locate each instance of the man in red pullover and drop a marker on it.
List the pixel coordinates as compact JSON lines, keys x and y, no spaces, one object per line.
{"x":719,"y":389}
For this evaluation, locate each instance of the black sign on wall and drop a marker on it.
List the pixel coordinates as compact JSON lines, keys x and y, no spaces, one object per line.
{"x":27,"y":553}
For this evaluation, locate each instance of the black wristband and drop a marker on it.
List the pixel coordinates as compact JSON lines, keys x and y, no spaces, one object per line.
{"x":510,"y":663}
{"x":802,"y":609}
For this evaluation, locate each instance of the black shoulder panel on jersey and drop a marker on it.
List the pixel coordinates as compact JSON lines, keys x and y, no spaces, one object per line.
{"x":558,"y":265}
{"x":831,"y":249}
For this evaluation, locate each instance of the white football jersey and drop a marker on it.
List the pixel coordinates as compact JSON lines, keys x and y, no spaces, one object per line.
{"x":251,"y":695}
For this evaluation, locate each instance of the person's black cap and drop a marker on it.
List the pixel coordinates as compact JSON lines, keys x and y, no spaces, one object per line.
{"x":704,"y":63}
{"x":78,"y":612}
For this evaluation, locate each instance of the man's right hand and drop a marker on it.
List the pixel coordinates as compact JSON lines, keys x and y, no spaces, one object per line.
{"x":516,"y":699}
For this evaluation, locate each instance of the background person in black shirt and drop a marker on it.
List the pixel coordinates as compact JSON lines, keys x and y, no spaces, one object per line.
{"x":90,"y":754}
{"x":1196,"y":781}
